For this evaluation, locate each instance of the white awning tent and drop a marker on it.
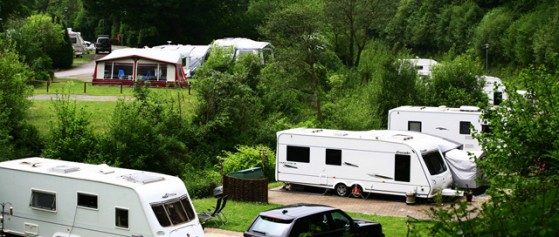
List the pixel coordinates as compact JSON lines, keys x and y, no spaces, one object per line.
{"x":243,"y":46}
{"x":192,"y":56}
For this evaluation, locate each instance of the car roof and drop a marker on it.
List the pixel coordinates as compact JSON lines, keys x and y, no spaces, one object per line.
{"x":295,"y":211}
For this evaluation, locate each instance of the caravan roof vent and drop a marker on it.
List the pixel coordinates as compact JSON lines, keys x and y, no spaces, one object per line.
{"x":105,"y":169}
{"x":466,"y":108}
{"x":64,"y":169}
{"x":143,"y":177}
{"x":316,"y":130}
{"x":403,"y":137}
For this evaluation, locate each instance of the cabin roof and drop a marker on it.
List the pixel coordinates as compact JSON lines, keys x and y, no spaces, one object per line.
{"x":100,"y":173}
{"x":166,"y":56}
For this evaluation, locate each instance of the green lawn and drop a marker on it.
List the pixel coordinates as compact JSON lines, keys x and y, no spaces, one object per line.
{"x":241,"y":214}
{"x":41,"y":114}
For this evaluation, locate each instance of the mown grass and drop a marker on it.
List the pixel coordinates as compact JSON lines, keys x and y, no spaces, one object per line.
{"x":42,"y":114}
{"x":241,"y":214}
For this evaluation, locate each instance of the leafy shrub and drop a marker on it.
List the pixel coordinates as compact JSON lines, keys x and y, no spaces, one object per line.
{"x":248,"y":157}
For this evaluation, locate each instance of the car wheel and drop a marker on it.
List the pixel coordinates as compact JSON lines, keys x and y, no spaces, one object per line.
{"x":341,"y":190}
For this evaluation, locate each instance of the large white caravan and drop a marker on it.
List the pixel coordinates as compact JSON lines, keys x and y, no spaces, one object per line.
{"x":451,"y":123}
{"x":383,"y":161}
{"x":56,"y":198}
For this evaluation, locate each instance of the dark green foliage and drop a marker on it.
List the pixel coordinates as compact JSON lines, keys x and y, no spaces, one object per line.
{"x":454,"y":84}
{"x":71,"y":137}
{"x":17,"y":137}
{"x":246,"y":157}
{"x":146,"y":134}
{"x":63,"y":54}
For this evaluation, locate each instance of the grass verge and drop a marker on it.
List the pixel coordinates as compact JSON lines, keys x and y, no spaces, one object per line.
{"x":241,"y":214}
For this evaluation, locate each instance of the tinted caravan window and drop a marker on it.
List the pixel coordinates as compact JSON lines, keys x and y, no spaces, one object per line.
{"x":333,"y":157}
{"x":298,"y":154}
{"x":414,"y":126}
{"x":434,"y":162}
{"x":43,"y":200}
{"x":464,"y":127}
{"x":87,"y":200}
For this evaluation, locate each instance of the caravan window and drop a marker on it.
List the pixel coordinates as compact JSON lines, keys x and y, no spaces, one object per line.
{"x":121,"y":217}
{"x":333,"y":157}
{"x":43,"y":200}
{"x":414,"y":126}
{"x":298,"y":154}
{"x":174,"y":212}
{"x":434,"y":162}
{"x":120,"y":70}
{"x":87,"y":200}
{"x":465,"y":127}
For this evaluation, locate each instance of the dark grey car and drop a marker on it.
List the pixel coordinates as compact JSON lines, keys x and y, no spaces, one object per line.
{"x":310,"y":220}
{"x":103,"y":44}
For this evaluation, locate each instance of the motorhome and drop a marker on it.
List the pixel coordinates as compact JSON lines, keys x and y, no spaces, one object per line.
{"x":78,"y":44}
{"x":46,"y":197}
{"x":376,"y":161}
{"x":456,"y":124}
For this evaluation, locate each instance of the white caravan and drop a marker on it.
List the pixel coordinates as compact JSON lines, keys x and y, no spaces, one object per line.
{"x":78,"y":44}
{"x":57,"y":198}
{"x":451,"y":123}
{"x":383,"y":161}
{"x":495,"y":89}
{"x":424,"y":66}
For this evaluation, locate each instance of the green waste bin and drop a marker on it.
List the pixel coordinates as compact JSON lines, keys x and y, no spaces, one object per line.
{"x":252,"y":173}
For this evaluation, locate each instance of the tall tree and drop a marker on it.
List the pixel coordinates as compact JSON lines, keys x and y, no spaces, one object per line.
{"x":297,"y":32}
{"x":354,"y":23}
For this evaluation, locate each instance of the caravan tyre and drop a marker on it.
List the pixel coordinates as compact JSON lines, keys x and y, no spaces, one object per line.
{"x":341,"y":190}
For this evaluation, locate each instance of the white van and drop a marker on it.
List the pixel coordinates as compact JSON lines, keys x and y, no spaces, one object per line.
{"x":57,"y":198}
{"x":377,"y":161}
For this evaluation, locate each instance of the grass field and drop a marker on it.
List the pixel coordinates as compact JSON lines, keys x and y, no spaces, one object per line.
{"x":241,"y":214}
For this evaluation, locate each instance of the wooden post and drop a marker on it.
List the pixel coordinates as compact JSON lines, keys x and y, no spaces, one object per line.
{"x":48,"y":84}
{"x":121,"y":88}
{"x":84,"y":87}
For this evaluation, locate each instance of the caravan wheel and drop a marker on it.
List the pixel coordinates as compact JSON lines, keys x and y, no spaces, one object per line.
{"x":341,"y":190}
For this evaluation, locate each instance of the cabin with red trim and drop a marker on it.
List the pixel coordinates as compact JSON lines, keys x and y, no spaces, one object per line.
{"x":161,"y":68}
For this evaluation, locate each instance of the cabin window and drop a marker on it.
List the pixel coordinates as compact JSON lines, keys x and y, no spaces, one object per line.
{"x":43,"y":200}
{"x":87,"y":200}
{"x":123,"y":71}
{"x":121,"y":217}
{"x":402,"y":168}
{"x":465,"y":127}
{"x":298,"y":154}
{"x":174,"y":212}
{"x":434,"y":162}
{"x":414,"y":126}
{"x":333,"y":157}
{"x":152,"y":72}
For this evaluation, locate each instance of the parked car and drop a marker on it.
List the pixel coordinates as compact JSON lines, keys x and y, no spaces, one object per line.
{"x":310,"y":220}
{"x":103,"y":44}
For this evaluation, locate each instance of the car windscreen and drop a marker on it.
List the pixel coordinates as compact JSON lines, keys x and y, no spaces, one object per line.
{"x":434,"y":162}
{"x":174,"y":212}
{"x":270,"y":226}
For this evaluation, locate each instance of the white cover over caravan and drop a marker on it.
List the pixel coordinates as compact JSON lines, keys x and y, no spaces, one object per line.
{"x":66,"y":199}
{"x":383,"y":161}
